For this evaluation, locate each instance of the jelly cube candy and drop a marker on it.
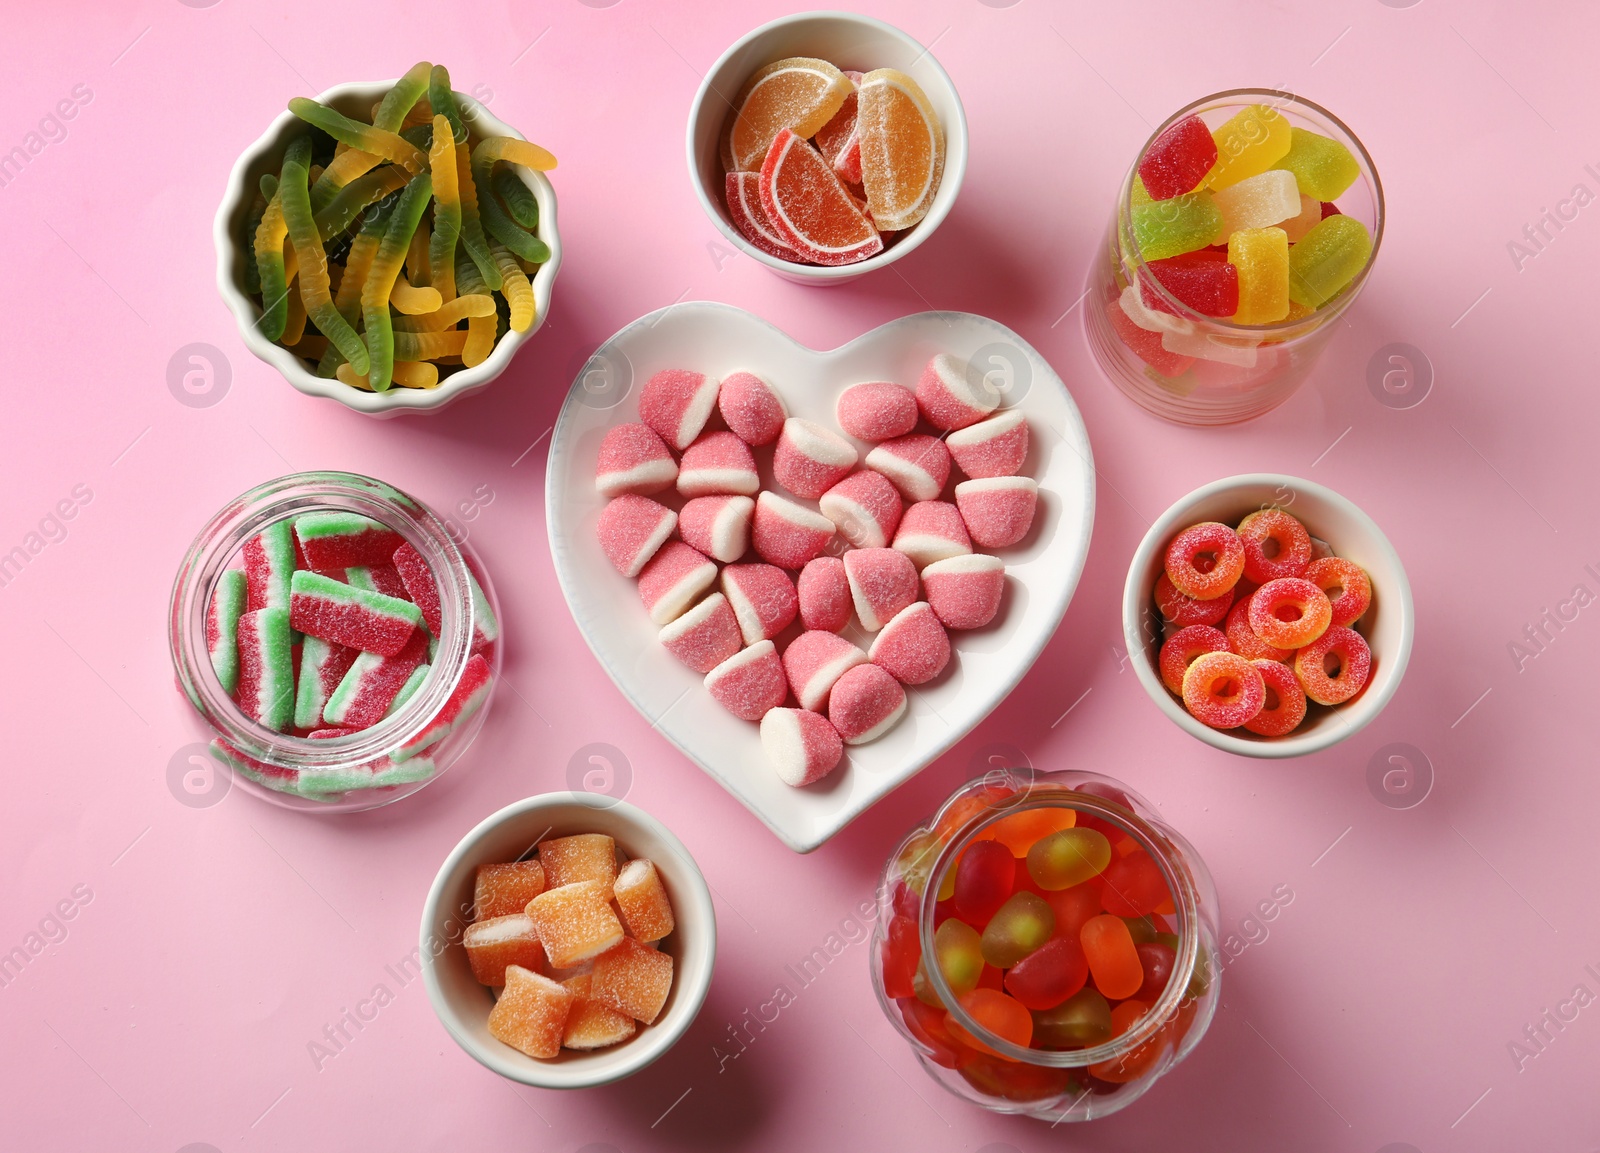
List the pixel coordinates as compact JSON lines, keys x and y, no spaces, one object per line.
{"x":1004,"y":1016}
{"x":592,"y":1024}
{"x":642,"y":899}
{"x":1134,"y":885}
{"x":501,"y":941}
{"x":1248,"y":144}
{"x":1113,"y":960}
{"x":1203,"y":280}
{"x":1326,"y":259}
{"x":1309,"y":216}
{"x":1019,"y":926}
{"x":1068,"y":858}
{"x":531,"y":1014}
{"x":1177,"y":161}
{"x":1083,"y":1020}
{"x":902,"y":955}
{"x":1049,"y":975}
{"x":575,"y":922}
{"x":1172,"y":227}
{"x":800,"y":93}
{"x":1323,"y":168}
{"x":1261,"y":256}
{"x":632,"y":979}
{"x":1147,"y":346}
{"x":984,"y":879}
{"x":902,"y":148}
{"x":585,"y":857}
{"x":1258,"y":202}
{"x":504,"y":889}
{"x":222,"y":626}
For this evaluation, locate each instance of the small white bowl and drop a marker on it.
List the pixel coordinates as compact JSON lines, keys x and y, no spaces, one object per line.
{"x":266,"y":155}
{"x":463,"y":1005}
{"x":1387,"y":625}
{"x":847,"y":41}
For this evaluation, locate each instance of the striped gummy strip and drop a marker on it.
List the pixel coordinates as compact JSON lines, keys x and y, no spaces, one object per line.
{"x":409,"y":689}
{"x":372,"y":684}
{"x":470,"y":693}
{"x":266,"y":668}
{"x":322,"y":666}
{"x":269,"y":562}
{"x":222,"y":627}
{"x":378,"y":578}
{"x":333,"y":540}
{"x":323,"y":607}
{"x":418,"y":579}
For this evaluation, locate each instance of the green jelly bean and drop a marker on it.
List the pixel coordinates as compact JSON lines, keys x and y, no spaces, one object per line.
{"x":386,"y":265}
{"x":1326,"y":259}
{"x":959,"y":953}
{"x":1082,"y":1021}
{"x":1179,"y":224}
{"x":1068,"y":858}
{"x":495,"y":221}
{"x":403,"y":97}
{"x":1323,"y":168}
{"x":1141,"y":929}
{"x":270,"y":235}
{"x":353,"y":199}
{"x":518,"y":198}
{"x":443,"y":99}
{"x":1017,"y":928}
{"x":294,"y":190}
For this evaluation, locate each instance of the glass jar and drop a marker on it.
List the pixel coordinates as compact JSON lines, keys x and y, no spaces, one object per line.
{"x":1060,"y":1083}
{"x":421,"y":735}
{"x":1212,"y":370}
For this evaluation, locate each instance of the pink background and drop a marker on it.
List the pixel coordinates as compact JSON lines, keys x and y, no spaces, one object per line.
{"x":214,"y":944}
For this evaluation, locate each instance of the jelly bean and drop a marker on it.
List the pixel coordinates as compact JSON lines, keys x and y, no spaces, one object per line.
{"x":473,"y":240}
{"x":495,"y":220}
{"x":1351,"y":660}
{"x":1141,"y":929}
{"x":1068,"y":858}
{"x":1323,"y":168}
{"x":1204,"y":281}
{"x":1326,"y":259}
{"x":904,"y":901}
{"x":518,"y":198}
{"x":927,"y":1025}
{"x":1048,"y":975}
{"x":294,"y":194}
{"x":1082,"y":1021}
{"x":902,"y":952}
{"x":1177,"y":161}
{"x":1205,"y":560}
{"x":446,"y":211}
{"x":1019,"y":831}
{"x":381,"y":278}
{"x":1262,"y":257}
{"x":1013,"y":1081}
{"x":442,"y":99}
{"x":959,"y":952}
{"x":1113,"y":962}
{"x":1073,"y":907}
{"x":1132,"y":1065}
{"x":1158,"y":960}
{"x":1017,"y":928}
{"x":386,"y":145}
{"x":1248,"y":144}
{"x":914,"y":862}
{"x":518,"y":292}
{"x":390,"y":114}
{"x":1134,"y":885}
{"x":1172,"y":227}
{"x":992,"y":978}
{"x":984,"y":877}
{"x":1003,"y":1016}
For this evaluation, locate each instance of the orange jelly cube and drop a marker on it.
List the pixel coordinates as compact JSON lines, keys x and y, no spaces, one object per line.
{"x":585,"y":857}
{"x":501,"y":941}
{"x":646,"y":911}
{"x":506,"y":889}
{"x":531,"y":1014}
{"x":633,"y":979}
{"x":575,"y":922}
{"x":590,"y":1024}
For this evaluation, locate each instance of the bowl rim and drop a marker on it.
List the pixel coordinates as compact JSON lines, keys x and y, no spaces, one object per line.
{"x":955,"y":169}
{"x":692,"y":908}
{"x":246,"y":314}
{"x":1352,"y":719}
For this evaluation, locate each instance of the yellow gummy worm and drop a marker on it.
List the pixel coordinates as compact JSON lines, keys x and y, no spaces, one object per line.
{"x":446,"y":210}
{"x":356,"y":266}
{"x":381,"y":278}
{"x":411,"y":300}
{"x":518,"y":292}
{"x":452,"y":313}
{"x":390,"y":114}
{"x":367,"y":137}
{"x":344,"y":168}
{"x":270,"y":235}
{"x":315,"y":295}
{"x":407,"y":374}
{"x":514,"y":151}
{"x":349,"y":376}
{"x":311,"y":347}
{"x":427,"y":345}
{"x":472,"y":237}
{"x":294,"y":325}
{"x":417,"y":258}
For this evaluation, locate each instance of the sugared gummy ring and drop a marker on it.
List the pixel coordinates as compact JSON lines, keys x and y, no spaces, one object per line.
{"x":1285,"y":706}
{"x":1183,"y":648}
{"x":1354,"y":665}
{"x":1242,"y":638}
{"x":1289,"y":613}
{"x":1275,"y":545}
{"x":1350,"y":579}
{"x":1184,"y":611}
{"x":1223,"y":690}
{"x":1205,"y":560}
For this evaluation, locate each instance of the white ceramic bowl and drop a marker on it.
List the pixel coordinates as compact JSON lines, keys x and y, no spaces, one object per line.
{"x":1387,"y":625}
{"x":848,"y":41}
{"x":1041,"y":571}
{"x":266,"y":155}
{"x":463,"y":1005}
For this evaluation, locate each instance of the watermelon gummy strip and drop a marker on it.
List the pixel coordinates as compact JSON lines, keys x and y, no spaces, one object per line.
{"x":269,"y":563}
{"x":409,"y":689}
{"x":266,"y":668}
{"x":323,"y":607}
{"x":418,"y":579}
{"x":485,"y":625}
{"x":378,"y":578}
{"x":222,"y":627}
{"x":322,"y":667}
{"x":467,"y":698}
{"x":371,"y":684}
{"x":333,"y":541}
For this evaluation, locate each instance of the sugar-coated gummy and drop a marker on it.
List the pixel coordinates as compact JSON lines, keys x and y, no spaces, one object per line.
{"x":269,"y":564}
{"x":917,"y":464}
{"x":633,"y":979}
{"x":1327,"y":259}
{"x":752,"y":409}
{"x":471,"y":691}
{"x":496,"y":942}
{"x":787,"y":534}
{"x":676,"y":402}
{"x":865,"y":704}
{"x":814,"y":662}
{"x":717,"y":462}
{"x":965,"y":591}
{"x":996,"y":446}
{"x":948,"y":396}
{"x":575,"y":922}
{"x":1282,"y":534}
{"x":531,"y":1013}
{"x":1147,"y":346}
{"x":322,"y":666}
{"x":1353,"y":659}
{"x":913,"y":647}
{"x":1177,"y":160}
{"x":332,"y":610}
{"x":865,"y":506}
{"x":803,"y":747}
{"x":1260,"y":201}
{"x":1242,"y":638}
{"x":1187,"y":223}
{"x":810,"y":459}
{"x":673,"y":580}
{"x":876,"y":410}
{"x":1182,"y":648}
{"x":1353,"y":585}
{"x":632,"y":529}
{"x":750,"y":682}
{"x":902,"y":147}
{"x":705,"y":636}
{"x":633,"y":458}
{"x":824,"y":592}
{"x":930,"y":531}
{"x":997,"y":511}
{"x":581,"y":857}
{"x":1285,"y":704}
{"x":810,"y":208}
{"x":763,"y":599}
{"x":1262,"y":258}
{"x":1181,"y":611}
{"x":1289,"y":612}
{"x":591,"y":1024}
{"x":502,"y":889}
{"x":1249,"y":142}
{"x":1223,"y":690}
{"x":371,"y":684}
{"x":266,"y":668}
{"x":742,"y":193}
{"x":642,"y":899}
{"x":883,"y":581}
{"x":228,"y":601}
{"x":1205,"y":560}
{"x":1203,"y":281}
{"x":1323,"y":168}
{"x":801,"y":93}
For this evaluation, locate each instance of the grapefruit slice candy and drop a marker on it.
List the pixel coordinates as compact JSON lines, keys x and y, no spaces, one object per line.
{"x":750,"y":217}
{"x":798,"y":93}
{"x":902,"y":148}
{"x":810,"y":209}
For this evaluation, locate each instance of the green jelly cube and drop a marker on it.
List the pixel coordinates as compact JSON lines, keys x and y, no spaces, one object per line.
{"x":1179,"y":224}
{"x":1326,"y":259}
{"x":1323,"y":168}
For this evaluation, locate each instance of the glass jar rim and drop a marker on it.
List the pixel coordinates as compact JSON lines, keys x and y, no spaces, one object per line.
{"x":1037,"y":795}
{"x":1277,"y":98}
{"x":213,"y":550}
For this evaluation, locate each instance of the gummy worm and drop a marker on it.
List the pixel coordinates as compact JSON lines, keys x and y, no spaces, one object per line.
{"x":294,"y":325}
{"x":381,"y":277}
{"x":414,"y":300}
{"x":518,"y":198}
{"x":344,"y":168}
{"x":446,"y":210}
{"x":443,"y":101}
{"x":295,"y":195}
{"x":417,"y":259}
{"x":429,"y":345}
{"x":480,"y":329}
{"x":359,"y":263}
{"x":472,"y":238}
{"x":518,"y":292}
{"x":407,"y":374}
{"x":449,"y":315}
{"x":270,"y":235}
{"x":407,"y":90}
{"x":368,"y":138}
{"x":252,"y":225}
{"x":495,"y":220}
{"x":514,"y":151}
{"x":339,"y":212}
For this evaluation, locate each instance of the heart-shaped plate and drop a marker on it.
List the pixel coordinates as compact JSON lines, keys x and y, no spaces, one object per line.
{"x":1041,"y":571}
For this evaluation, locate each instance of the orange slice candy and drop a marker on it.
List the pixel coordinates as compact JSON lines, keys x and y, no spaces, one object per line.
{"x":902,"y":148}
{"x":837,"y":139}
{"x":810,"y":209}
{"x":797,"y":93}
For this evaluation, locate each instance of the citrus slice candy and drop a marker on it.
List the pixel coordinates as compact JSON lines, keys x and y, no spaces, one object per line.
{"x":902,"y":148}
{"x":798,"y":93}
{"x":750,"y":217}
{"x":837,"y":139}
{"x":810,"y":209}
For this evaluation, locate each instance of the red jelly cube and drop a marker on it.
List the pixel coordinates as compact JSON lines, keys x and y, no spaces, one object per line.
{"x":1179,"y":159}
{"x":1146,"y":346}
{"x":1203,"y":280}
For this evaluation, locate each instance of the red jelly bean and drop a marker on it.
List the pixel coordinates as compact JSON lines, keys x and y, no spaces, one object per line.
{"x":927,"y":1025}
{"x":1012,"y":1080}
{"x":901,"y":953}
{"x":1158,"y":960}
{"x":1001,"y":1015}
{"x":1178,"y":160}
{"x":907,"y":902}
{"x":1203,"y":280}
{"x":983,"y":881}
{"x":1050,"y":974}
{"x":1134,"y":885}
{"x":1075,"y":906}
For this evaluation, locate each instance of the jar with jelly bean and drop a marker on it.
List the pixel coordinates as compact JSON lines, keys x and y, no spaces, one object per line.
{"x":1247,"y":225}
{"x":338,"y":642}
{"x":1047,"y":944}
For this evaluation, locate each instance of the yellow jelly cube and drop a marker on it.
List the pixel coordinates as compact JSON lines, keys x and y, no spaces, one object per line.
{"x":640,"y":896}
{"x":1251,"y":142}
{"x":633,"y":979}
{"x":531,"y":1014}
{"x":575,"y":922}
{"x":585,"y":857}
{"x":506,"y":889}
{"x":499,"y":942}
{"x":1262,"y":257}
{"x":590,"y":1024}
